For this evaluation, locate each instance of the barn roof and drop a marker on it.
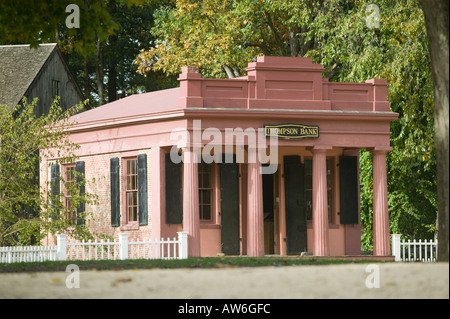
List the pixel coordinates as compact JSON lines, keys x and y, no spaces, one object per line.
{"x":19,"y":66}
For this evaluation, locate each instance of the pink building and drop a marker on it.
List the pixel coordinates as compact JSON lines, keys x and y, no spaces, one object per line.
{"x":193,"y":159}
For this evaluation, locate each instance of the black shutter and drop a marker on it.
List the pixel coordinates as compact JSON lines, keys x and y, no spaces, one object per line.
{"x":348,"y":184}
{"x":294,"y":185}
{"x":115,"y":192}
{"x":79,"y":168}
{"x":142,"y":190}
{"x":174,"y":191}
{"x":55,"y":189}
{"x":229,"y":208}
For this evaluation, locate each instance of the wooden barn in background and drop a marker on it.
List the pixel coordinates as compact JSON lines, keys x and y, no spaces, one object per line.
{"x":36,"y":73}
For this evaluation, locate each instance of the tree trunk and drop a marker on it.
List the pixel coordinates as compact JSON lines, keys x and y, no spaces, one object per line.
{"x":436,"y":20}
{"x":293,"y":41}
{"x":112,"y":61}
{"x":112,"y":73}
{"x":229,"y":71}
{"x":99,"y":73}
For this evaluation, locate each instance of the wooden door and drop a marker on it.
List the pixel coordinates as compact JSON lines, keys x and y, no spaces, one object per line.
{"x":294,"y":174}
{"x":229,"y":211}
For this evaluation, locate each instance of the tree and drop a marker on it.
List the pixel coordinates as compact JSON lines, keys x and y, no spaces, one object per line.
{"x":108,"y":73}
{"x":436,"y":18}
{"x":221,"y":37}
{"x":36,"y":22}
{"x":27,"y":213}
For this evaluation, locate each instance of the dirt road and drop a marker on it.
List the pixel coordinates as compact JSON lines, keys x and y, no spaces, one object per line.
{"x":380,"y":280}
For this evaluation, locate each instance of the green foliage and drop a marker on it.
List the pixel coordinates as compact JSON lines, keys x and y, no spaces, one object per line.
{"x":397,"y":51}
{"x":25,"y":207}
{"x":113,"y":61}
{"x":366,"y":199}
{"x":35,"y":22}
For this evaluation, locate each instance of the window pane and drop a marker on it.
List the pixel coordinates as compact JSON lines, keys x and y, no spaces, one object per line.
{"x":134,"y":167}
{"x":132,"y":206}
{"x":206,"y":212}
{"x":128,"y":182}
{"x":129,"y":199}
{"x":134,"y":218}
{"x":131,"y":173}
{"x":206,"y":180}
{"x":133,"y":182}
{"x":70,"y":174}
{"x":134,"y":198}
{"x":132,"y":213}
{"x":206,"y":197}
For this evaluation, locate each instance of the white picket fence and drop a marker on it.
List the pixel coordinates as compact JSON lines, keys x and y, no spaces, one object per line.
{"x":121,"y":249}
{"x":422,"y":251}
{"x":27,"y":254}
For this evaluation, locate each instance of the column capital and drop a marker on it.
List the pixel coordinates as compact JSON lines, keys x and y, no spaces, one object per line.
{"x":190,"y":148}
{"x":320,"y":148}
{"x":381,"y":149}
{"x":191,"y":153}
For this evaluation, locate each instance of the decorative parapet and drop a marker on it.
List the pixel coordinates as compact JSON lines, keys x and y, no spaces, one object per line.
{"x":281,"y":83}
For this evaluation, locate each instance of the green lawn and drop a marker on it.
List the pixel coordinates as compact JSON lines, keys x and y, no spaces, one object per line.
{"x":204,"y":262}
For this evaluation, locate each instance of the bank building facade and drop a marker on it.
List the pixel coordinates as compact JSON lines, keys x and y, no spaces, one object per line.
{"x":264,"y":164}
